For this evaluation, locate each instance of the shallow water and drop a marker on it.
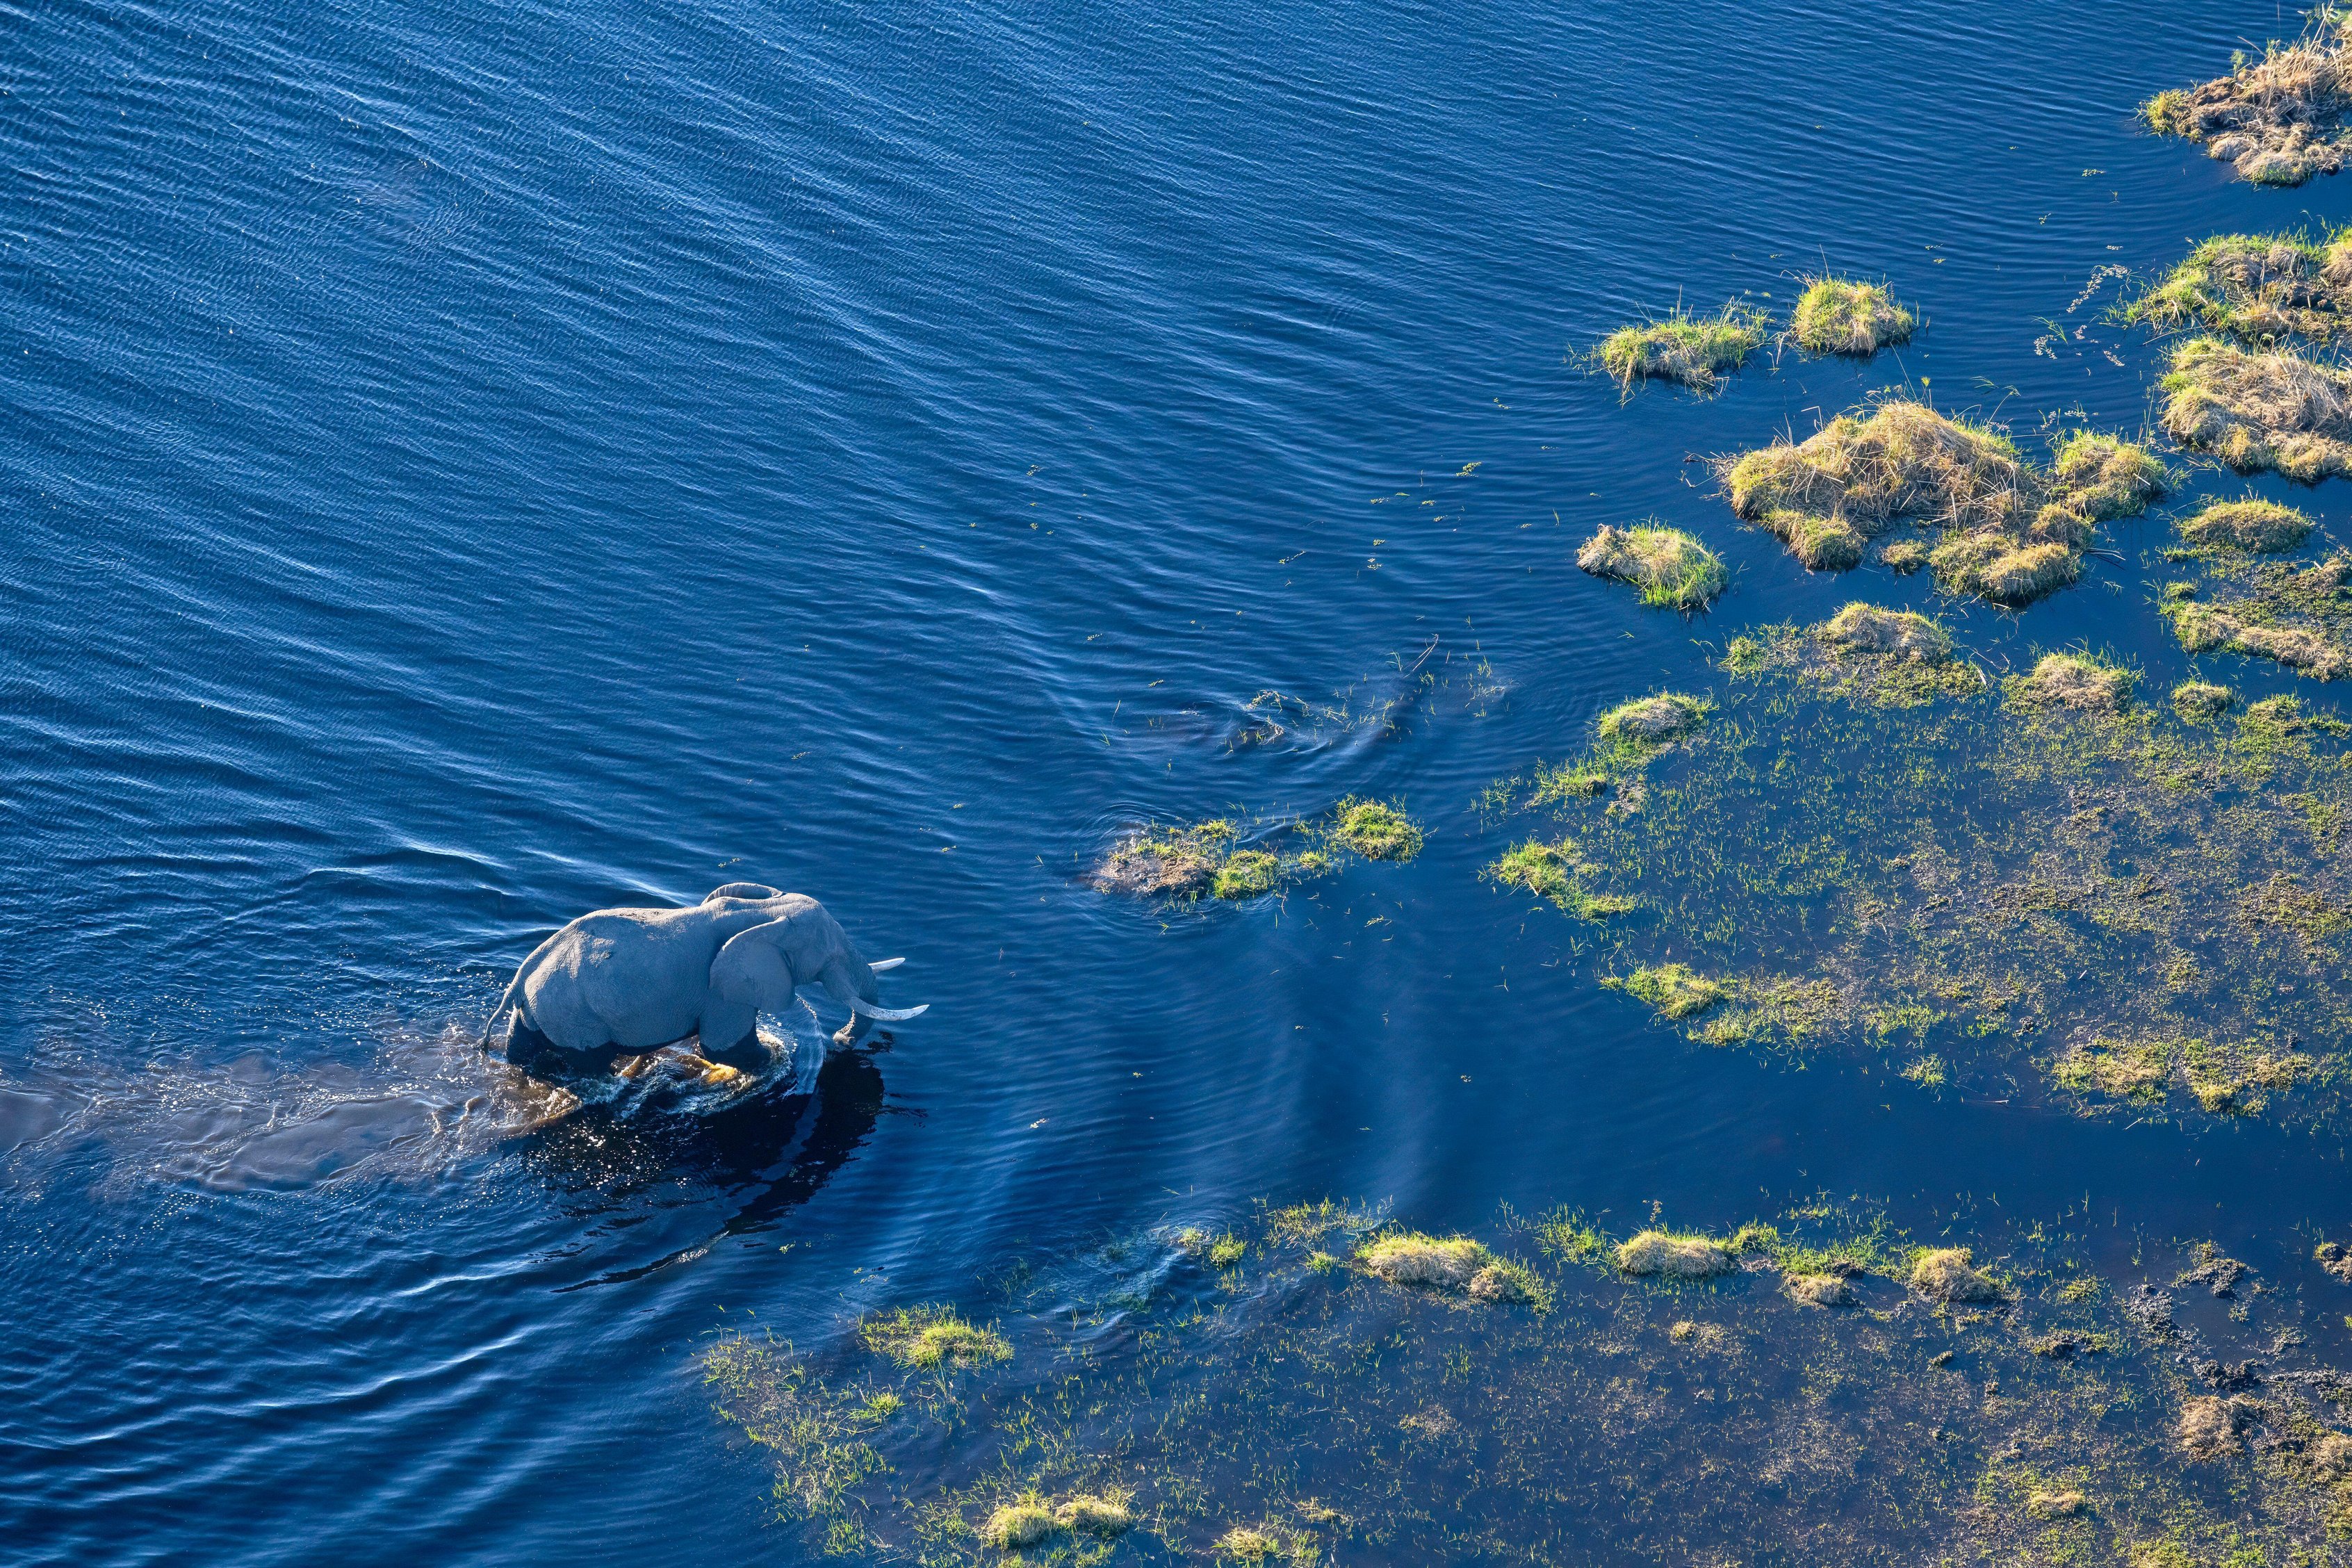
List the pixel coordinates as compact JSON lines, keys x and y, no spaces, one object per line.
{"x":470,"y":468}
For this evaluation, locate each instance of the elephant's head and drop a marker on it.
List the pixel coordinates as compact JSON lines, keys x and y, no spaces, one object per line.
{"x":762,"y":965}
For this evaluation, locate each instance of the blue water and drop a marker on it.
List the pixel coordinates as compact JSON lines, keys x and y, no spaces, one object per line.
{"x":462,"y":468}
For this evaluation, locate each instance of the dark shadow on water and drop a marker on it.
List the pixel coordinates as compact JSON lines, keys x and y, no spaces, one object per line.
{"x":768,"y":1152}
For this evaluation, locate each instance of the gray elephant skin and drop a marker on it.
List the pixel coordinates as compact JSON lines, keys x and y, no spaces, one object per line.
{"x":631,"y":980}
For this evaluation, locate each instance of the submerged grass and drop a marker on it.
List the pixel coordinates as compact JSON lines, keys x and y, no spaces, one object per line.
{"x":1696,"y":351}
{"x":2244,"y":600}
{"x":1983,"y":1400}
{"x":2010,"y":531}
{"x":1874,"y":847}
{"x":1672,"y":570}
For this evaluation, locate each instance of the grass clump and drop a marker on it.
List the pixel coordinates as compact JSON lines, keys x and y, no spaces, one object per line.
{"x":2072,"y":680}
{"x":1696,"y":351}
{"x":1024,"y":1521}
{"x":1672,"y":570}
{"x":1247,"y":873}
{"x":1674,"y":1255}
{"x":1650,"y":721}
{"x":2259,"y":288}
{"x":2277,"y":120}
{"x":2257,"y":526}
{"x":2203,"y":629}
{"x":1375,"y":830}
{"x":1672,"y":990}
{"x":1818,"y":1289}
{"x":2202,"y":701}
{"x":1102,"y":1516}
{"x":1947,"y":1274}
{"x":1898,"y":634}
{"x":1840,"y":316}
{"x":2011,"y":532}
{"x":930,"y":1337}
{"x":1453,"y":1265}
{"x":2260,"y":409}
{"x":2104,"y":477}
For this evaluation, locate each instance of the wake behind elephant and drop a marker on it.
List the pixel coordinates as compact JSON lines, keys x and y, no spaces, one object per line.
{"x":631,"y":980}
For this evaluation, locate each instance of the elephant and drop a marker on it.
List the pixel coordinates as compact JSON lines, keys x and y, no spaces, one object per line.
{"x":631,"y":980}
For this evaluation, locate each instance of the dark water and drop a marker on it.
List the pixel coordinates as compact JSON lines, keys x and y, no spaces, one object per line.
{"x":463,"y":467}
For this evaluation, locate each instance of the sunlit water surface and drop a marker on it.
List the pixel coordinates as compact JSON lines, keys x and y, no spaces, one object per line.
{"x":464,"y":468}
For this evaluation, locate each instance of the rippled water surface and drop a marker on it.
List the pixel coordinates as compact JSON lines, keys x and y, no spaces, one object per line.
{"x":465,"y":466}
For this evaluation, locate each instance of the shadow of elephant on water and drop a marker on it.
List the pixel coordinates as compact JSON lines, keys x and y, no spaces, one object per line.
{"x":766,"y":1152}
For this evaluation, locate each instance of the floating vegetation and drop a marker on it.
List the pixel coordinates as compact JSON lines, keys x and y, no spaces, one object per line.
{"x":1209,"y":859}
{"x":1948,"y":1274}
{"x":2262,"y":527}
{"x":2139,"y":907}
{"x":1672,"y":570}
{"x":1673,"y":991}
{"x":1696,"y":351}
{"x":2278,"y":120}
{"x":1840,"y":316}
{"x":2010,"y":533}
{"x":2259,"y":288}
{"x":2260,"y":408}
{"x":932,"y":1336}
{"x":1939,"y":1410}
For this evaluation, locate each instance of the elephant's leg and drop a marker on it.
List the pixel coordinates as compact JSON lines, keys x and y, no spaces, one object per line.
{"x":729,"y":1033}
{"x":530,"y":1051}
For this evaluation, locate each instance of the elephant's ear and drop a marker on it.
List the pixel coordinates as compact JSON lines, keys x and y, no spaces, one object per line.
{"x":751,"y":971}
{"x":742,"y":890}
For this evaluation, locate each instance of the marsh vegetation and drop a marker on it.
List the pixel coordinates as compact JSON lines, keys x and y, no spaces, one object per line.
{"x":1815,"y":1388}
{"x":1672,"y":570}
{"x":1218,"y":859}
{"x":1842,"y":316}
{"x":1872,"y":845}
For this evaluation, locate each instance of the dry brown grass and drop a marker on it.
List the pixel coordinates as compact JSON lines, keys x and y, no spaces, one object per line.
{"x":2260,"y":409}
{"x":2204,"y":630}
{"x":1900,"y":633}
{"x":1672,"y":1256}
{"x":1947,"y":1274}
{"x":2012,"y":532}
{"x":2278,"y":120}
{"x":2263,"y":527}
{"x":1840,"y":316}
{"x":2071,"y":680}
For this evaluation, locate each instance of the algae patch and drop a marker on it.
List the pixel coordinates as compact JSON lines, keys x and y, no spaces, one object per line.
{"x":1211,"y":860}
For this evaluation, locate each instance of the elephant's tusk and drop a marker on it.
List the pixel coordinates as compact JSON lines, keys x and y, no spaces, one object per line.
{"x":886,"y":1015}
{"x":880,"y":964}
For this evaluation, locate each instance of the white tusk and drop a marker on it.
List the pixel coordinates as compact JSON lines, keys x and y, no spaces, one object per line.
{"x":880,"y":964}
{"x":887,"y":1015}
